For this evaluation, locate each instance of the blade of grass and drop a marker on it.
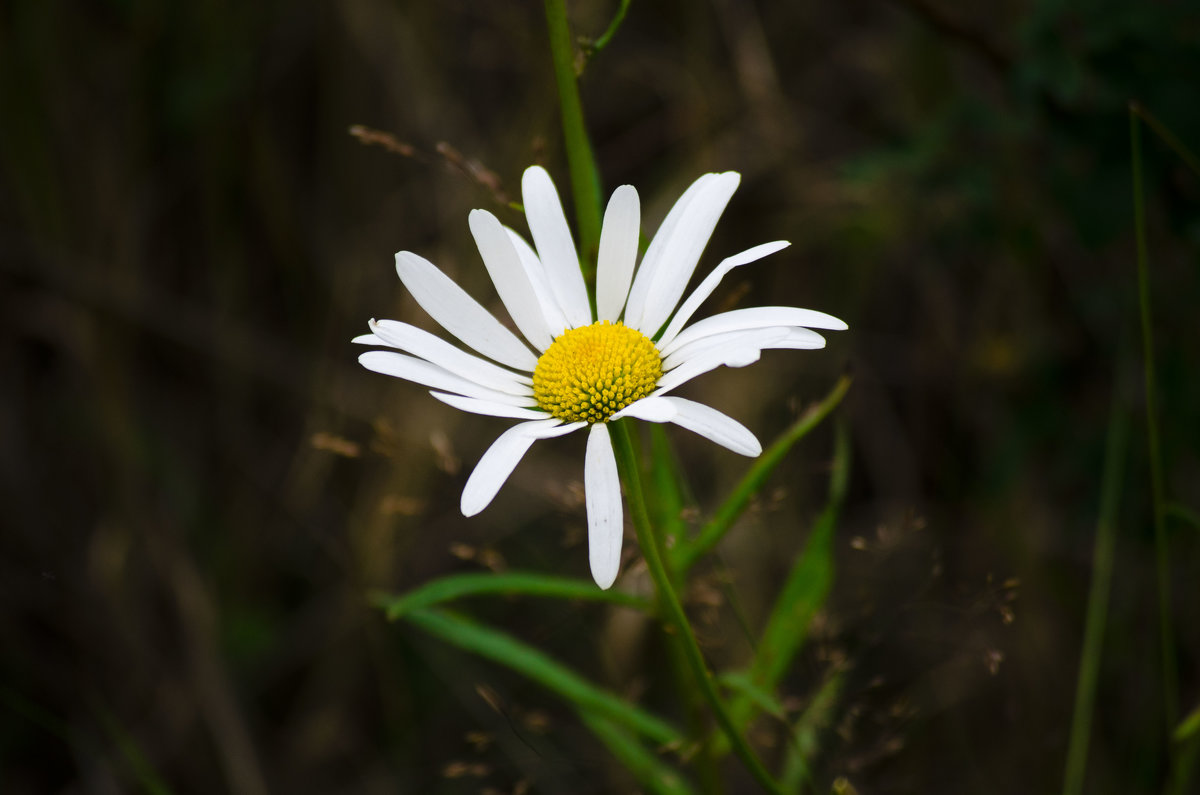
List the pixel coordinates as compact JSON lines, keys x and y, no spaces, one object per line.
{"x":647,"y":768}
{"x":687,"y":554}
{"x":652,"y":551}
{"x":508,"y":584}
{"x":1097,"y":610}
{"x":502,"y":648}
{"x":805,"y":732}
{"x":1162,"y":556}
{"x":804,"y":593}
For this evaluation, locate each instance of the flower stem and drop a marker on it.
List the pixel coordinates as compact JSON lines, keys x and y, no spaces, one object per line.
{"x":653,"y":552}
{"x":585,"y":181}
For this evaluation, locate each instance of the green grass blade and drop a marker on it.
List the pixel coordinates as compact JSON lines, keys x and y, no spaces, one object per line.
{"x":1162,"y":555}
{"x":816,"y":718}
{"x":458,"y":586}
{"x":647,"y":768}
{"x":804,"y":593}
{"x":502,"y":648}
{"x":752,"y":483}
{"x":1097,"y":610}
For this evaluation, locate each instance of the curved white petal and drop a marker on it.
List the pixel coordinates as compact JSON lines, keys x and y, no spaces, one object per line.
{"x":739,"y":350}
{"x":754,"y":317}
{"x":618,"y":252}
{"x":490,"y":407}
{"x":502,"y":458}
{"x":556,"y":320}
{"x":762,"y":338}
{"x":556,"y":249}
{"x":508,"y":274}
{"x":368,"y":339}
{"x":650,"y":409}
{"x":424,"y":373}
{"x":460,"y":314}
{"x":639,"y":292}
{"x":421,"y":343}
{"x":800,"y":339}
{"x":712,"y":424}
{"x":693,"y":301}
{"x":682,"y":250}
{"x":602,"y":489}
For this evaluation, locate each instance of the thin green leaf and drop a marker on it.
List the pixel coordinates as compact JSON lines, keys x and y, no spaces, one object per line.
{"x":1170,"y":676}
{"x":752,"y":483}
{"x":816,"y":718}
{"x":502,"y":648}
{"x":508,"y":584}
{"x":805,"y":591}
{"x":647,"y":768}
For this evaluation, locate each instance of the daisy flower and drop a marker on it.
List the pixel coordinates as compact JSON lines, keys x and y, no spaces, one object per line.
{"x":577,"y":368}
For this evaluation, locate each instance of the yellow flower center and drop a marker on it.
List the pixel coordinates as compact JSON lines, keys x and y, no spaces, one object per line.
{"x":590,"y":373}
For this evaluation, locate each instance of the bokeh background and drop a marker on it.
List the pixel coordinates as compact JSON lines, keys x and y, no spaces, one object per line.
{"x":200,"y":484}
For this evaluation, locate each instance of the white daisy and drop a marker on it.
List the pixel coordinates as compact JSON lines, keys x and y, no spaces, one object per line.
{"x":587,"y":368}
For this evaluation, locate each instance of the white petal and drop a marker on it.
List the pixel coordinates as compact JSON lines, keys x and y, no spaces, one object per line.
{"x":422,"y":372}
{"x":508,"y":274}
{"x":502,"y":458}
{"x":682,"y":250}
{"x":800,"y":339}
{"x":489,"y":407}
{"x":460,"y":314}
{"x":602,"y":489}
{"x":618,"y":252}
{"x":421,"y":343}
{"x":555,"y":247}
{"x":710,"y":283}
{"x":368,"y":339}
{"x":754,"y":317}
{"x":740,"y":351}
{"x":556,"y":320}
{"x":760,"y":338}
{"x":635,"y":307}
{"x":712,"y":424}
{"x":650,"y":409}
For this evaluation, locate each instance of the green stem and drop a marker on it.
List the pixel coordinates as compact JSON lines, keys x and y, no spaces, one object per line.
{"x":652,"y":551}
{"x":585,"y":181}
{"x":1162,"y":557}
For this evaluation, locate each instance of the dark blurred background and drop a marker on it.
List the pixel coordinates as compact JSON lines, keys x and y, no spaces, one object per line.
{"x":199,"y":483}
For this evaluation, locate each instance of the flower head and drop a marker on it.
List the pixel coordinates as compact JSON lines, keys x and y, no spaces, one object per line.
{"x":586,"y":369}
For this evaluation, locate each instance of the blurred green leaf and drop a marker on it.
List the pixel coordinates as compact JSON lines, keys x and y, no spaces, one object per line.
{"x":508,"y":651}
{"x":1188,"y":727}
{"x":708,"y":537}
{"x":510,"y":584}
